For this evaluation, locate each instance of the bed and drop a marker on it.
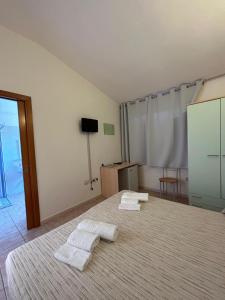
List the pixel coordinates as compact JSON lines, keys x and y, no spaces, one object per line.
{"x":166,"y":251}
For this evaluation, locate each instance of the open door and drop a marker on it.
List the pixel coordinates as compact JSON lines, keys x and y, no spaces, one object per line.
{"x":28,"y":156}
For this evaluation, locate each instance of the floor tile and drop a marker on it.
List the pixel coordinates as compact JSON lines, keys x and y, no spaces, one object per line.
{"x":17,"y":211}
{"x":7,"y":229}
{"x":22,"y":227}
{"x":3,"y":213}
{"x":10,"y":244}
{"x":5,"y":220}
{"x":29,"y":235}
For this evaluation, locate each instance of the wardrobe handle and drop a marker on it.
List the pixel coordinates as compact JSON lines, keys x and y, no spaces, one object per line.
{"x":213,"y":155}
{"x":195,"y":196}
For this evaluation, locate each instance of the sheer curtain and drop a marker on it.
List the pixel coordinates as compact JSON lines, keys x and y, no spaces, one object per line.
{"x":137,"y":130}
{"x":166,"y":136}
{"x":154,"y":129}
{"x":125,"y":147}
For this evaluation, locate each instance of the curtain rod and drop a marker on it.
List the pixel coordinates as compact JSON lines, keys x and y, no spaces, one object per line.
{"x":154,"y":95}
{"x":163,"y":92}
{"x":214,"y":77}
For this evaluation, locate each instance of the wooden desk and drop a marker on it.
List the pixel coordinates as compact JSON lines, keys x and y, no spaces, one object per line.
{"x":110,"y":178}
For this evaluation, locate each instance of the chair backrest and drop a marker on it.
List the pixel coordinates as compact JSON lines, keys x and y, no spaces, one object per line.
{"x":177,"y":172}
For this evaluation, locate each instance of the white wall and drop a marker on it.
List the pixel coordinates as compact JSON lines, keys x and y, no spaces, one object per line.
{"x":149,"y":177}
{"x":60,"y":97}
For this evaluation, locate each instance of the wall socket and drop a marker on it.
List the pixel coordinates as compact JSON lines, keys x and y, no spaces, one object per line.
{"x":95,"y":180}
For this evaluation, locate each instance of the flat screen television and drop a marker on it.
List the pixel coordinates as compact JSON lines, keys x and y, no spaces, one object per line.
{"x":89,"y":125}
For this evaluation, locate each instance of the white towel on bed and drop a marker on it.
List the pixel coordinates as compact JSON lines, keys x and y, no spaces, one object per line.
{"x":105,"y":230}
{"x":129,"y":201}
{"x":129,"y":206}
{"x":73,"y":256}
{"x":83,"y":240}
{"x":134,"y":195}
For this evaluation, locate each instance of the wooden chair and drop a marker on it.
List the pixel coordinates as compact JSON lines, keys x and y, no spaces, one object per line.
{"x":165,"y":180}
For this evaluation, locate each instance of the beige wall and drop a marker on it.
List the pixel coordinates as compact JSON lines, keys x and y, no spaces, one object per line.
{"x":60,"y":97}
{"x":149,"y":177}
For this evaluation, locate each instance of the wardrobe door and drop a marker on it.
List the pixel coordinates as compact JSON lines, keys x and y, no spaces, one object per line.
{"x":223,"y":147}
{"x":204,"y":148}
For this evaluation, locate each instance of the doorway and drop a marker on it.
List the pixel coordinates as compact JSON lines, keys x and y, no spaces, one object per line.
{"x":18,"y":179}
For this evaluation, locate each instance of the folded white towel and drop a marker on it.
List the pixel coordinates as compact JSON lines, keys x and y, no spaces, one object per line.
{"x":73,"y":256}
{"x":129,"y":206}
{"x":105,"y":230}
{"x":134,"y":195}
{"x":83,"y":240}
{"x":129,"y":201}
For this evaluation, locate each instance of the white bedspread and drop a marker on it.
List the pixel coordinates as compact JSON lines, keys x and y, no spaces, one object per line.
{"x":165,"y":251}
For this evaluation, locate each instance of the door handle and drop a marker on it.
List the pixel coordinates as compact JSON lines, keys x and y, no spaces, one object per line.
{"x":213,"y":155}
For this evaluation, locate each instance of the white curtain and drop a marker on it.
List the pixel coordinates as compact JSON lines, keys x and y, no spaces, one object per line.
{"x":154,"y":129}
{"x":125,"y":147}
{"x":137,"y":114}
{"x":166,"y":133}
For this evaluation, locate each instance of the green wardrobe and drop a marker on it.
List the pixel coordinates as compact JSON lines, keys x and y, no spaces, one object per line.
{"x":206,"y":154}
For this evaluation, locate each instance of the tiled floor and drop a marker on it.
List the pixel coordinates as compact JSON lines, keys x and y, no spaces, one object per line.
{"x":13,"y":232}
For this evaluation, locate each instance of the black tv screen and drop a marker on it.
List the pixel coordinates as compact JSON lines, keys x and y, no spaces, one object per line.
{"x":89,"y":125}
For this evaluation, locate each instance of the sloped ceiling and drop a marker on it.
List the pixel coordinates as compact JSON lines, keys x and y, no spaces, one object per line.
{"x":127,"y":48}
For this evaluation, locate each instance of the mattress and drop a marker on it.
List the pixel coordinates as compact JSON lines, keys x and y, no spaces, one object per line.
{"x":165,"y":251}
